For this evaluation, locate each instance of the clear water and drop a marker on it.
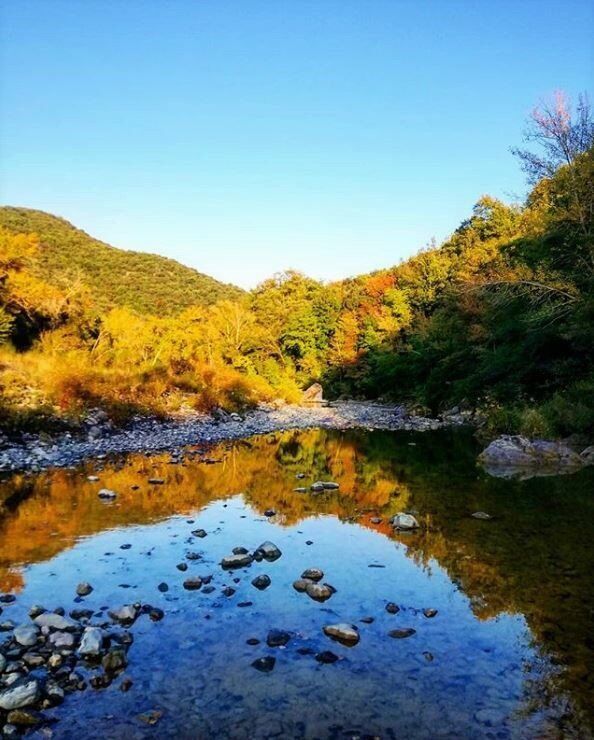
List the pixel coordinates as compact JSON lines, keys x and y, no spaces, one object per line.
{"x":509,"y":654}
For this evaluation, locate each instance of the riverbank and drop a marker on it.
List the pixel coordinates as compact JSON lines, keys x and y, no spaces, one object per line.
{"x":37,"y":452}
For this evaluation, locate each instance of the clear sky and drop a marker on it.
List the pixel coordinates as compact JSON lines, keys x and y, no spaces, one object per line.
{"x":243,"y":138}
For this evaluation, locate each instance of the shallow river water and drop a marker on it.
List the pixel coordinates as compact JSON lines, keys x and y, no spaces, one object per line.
{"x":510,"y":652}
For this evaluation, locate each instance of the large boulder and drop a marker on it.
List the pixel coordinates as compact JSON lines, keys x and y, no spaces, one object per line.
{"x":313,"y":394}
{"x":511,"y":455}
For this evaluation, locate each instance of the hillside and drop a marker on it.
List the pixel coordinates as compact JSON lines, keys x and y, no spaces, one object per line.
{"x":147,"y":283}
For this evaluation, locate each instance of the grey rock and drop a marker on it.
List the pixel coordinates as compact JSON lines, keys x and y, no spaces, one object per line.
{"x":62,"y":640}
{"x":55,"y":622}
{"x":511,"y":455}
{"x":26,"y":634}
{"x":92,"y":642}
{"x":22,"y":693}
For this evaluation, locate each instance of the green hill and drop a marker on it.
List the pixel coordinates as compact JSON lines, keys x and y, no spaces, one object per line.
{"x":147,"y":283}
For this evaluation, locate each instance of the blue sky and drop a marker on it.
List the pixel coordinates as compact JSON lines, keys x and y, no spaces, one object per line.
{"x":242,"y":138}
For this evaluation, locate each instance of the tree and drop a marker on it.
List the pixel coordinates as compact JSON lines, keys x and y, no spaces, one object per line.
{"x":560,"y":133}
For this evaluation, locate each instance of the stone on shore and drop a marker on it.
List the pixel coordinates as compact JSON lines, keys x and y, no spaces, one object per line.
{"x":54,"y":621}
{"x":92,"y":642}
{"x":22,"y":693}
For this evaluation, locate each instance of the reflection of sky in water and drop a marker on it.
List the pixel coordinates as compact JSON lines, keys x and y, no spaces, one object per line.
{"x":194,"y":666}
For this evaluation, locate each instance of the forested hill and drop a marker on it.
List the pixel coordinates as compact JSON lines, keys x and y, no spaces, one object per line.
{"x":147,"y":283}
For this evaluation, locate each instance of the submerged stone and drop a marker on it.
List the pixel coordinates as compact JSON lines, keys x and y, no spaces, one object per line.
{"x":264,"y":665}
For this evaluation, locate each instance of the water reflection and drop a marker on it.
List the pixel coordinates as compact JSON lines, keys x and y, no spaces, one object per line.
{"x":523,"y":578}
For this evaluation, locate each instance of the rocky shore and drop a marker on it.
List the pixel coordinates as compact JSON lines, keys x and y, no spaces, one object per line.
{"x":151,"y":435}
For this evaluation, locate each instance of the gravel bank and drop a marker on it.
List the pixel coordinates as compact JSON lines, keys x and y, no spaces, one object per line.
{"x":150,"y":435}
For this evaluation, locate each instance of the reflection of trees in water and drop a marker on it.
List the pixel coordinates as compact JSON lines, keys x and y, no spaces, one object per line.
{"x":535,"y":558}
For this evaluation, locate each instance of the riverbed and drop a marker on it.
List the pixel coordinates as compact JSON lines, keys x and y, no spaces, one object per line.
{"x":465,"y":627}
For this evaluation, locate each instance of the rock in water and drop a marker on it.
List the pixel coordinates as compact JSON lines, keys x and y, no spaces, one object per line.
{"x":327,"y":656}
{"x":277,"y":638}
{"x":264,"y":665}
{"x":301,"y":584}
{"x":319,"y":591}
{"x":269,"y":551}
{"x":238,"y":560}
{"x":261,"y":582}
{"x":84,"y":589}
{"x":92,"y":642}
{"x":114,"y":661}
{"x":405,"y":521}
{"x":193,"y":584}
{"x":510,"y":455}
{"x":126,"y":615}
{"x":313,"y":574}
{"x":402,"y":633}
{"x":347,"y":634}
{"x":22,"y":693}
